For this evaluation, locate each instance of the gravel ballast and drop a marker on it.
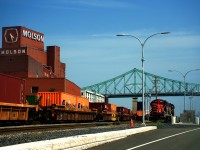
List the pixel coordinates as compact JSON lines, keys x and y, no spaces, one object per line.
{"x":19,"y":138}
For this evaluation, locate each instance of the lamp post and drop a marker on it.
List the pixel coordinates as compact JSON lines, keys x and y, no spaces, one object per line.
{"x":191,"y":102}
{"x":142,"y":45}
{"x":184,"y":76}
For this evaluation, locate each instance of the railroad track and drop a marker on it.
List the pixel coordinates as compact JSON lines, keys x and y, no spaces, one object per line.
{"x":49,"y":127}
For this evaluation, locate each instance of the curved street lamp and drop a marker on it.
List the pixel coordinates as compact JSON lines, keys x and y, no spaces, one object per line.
{"x":184,"y":76}
{"x":142,"y":45}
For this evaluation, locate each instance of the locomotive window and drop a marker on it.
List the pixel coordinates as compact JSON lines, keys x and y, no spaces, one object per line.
{"x":34,"y":89}
{"x":155,"y":102}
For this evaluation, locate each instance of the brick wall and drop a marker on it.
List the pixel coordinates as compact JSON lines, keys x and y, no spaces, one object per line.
{"x":45,"y":84}
{"x":72,"y":88}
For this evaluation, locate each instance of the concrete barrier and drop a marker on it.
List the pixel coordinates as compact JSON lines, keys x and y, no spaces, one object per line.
{"x":197,"y":120}
{"x":79,"y":142}
{"x":173,"y":119}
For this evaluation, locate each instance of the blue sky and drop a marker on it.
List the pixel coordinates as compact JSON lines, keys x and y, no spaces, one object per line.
{"x":85,"y":29}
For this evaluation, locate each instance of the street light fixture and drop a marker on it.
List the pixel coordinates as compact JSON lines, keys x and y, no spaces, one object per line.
{"x":184,"y":76}
{"x":142,"y":45}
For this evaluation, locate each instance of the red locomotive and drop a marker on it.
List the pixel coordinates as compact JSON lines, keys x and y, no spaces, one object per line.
{"x":161,"y":109}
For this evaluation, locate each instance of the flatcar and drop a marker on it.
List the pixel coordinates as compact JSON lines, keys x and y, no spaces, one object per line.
{"x":123,"y":114}
{"x":104,"y":111}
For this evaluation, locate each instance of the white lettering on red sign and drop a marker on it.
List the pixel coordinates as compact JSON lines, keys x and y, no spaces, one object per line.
{"x":33,"y":36}
{"x":13,"y":52}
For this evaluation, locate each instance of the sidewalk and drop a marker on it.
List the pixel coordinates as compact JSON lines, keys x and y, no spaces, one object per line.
{"x":79,"y":142}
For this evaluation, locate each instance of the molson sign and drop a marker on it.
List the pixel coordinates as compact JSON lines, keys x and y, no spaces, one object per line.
{"x":13,"y":51}
{"x":33,"y":35}
{"x":18,"y":36}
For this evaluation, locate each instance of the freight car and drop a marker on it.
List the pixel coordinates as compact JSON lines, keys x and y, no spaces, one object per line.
{"x":12,"y":89}
{"x":137,"y":111}
{"x":60,"y":106}
{"x":104,"y":111}
{"x":123,"y":114}
{"x":161,"y":110}
{"x":15,"y":106}
{"x":53,"y":107}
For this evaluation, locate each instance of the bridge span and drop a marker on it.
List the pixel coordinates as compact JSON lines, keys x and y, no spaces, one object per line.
{"x":129,"y":84}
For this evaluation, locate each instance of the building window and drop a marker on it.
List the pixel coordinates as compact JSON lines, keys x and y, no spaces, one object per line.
{"x":34,"y":89}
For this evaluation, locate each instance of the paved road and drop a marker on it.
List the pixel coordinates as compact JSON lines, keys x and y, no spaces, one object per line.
{"x":173,"y":138}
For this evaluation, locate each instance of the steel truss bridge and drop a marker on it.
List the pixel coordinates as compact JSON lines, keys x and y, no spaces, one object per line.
{"x":129,"y":84}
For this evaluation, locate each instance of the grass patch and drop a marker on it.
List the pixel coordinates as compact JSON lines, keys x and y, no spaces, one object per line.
{"x":158,"y":123}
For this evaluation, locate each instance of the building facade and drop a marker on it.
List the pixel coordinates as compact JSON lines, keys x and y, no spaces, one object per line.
{"x":23,"y":55}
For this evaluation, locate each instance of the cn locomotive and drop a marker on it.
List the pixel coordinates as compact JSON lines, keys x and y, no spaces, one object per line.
{"x":161,"y":110}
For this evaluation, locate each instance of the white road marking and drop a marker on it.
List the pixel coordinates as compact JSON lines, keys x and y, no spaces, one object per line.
{"x":162,"y":139}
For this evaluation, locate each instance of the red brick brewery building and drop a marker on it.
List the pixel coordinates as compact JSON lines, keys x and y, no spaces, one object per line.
{"x":23,"y":55}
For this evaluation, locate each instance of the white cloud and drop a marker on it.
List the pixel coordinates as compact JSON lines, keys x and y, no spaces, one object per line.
{"x":108,"y":48}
